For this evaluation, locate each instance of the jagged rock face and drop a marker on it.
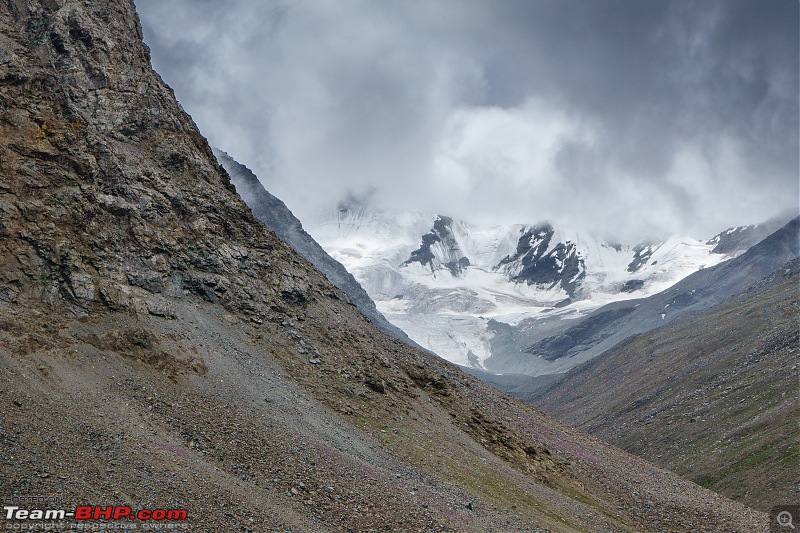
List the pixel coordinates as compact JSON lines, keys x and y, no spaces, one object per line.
{"x":440,"y":248}
{"x":109,"y":193}
{"x":442,"y":279}
{"x":642,"y":254}
{"x":277,"y":217}
{"x":535,"y":263}
{"x":612,"y":324}
{"x":114,"y":217}
{"x":148,"y":321}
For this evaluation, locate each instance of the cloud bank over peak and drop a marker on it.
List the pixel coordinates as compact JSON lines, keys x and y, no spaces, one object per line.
{"x":631,"y":118}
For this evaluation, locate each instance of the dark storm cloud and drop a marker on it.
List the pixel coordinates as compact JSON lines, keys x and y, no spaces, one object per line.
{"x":627,"y":117}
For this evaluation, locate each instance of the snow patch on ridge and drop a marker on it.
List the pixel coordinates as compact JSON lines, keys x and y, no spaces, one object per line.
{"x":442,"y":280}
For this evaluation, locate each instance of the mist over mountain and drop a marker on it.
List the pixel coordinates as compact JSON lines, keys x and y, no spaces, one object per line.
{"x":480,"y":296}
{"x":638,"y":121}
{"x":161,"y":348}
{"x":602,"y":329}
{"x":274,"y":214}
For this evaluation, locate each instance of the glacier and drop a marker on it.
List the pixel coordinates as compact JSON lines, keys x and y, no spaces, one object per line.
{"x":450,"y":284}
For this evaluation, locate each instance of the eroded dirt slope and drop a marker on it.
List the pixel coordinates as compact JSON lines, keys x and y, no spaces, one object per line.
{"x":159,"y":347}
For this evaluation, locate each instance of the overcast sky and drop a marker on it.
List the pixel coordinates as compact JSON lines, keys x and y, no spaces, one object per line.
{"x":625,"y":117}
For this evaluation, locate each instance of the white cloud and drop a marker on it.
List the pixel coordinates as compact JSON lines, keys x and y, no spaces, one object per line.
{"x":499,"y":111}
{"x":506,"y":157}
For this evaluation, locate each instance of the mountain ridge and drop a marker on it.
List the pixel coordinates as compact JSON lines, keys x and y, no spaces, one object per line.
{"x":159,"y":346}
{"x":274,"y":214}
{"x":432,"y":273}
{"x":714,"y":405}
{"x":615,"y":322}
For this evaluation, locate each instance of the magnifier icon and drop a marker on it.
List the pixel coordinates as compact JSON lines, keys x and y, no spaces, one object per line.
{"x":784,"y":519}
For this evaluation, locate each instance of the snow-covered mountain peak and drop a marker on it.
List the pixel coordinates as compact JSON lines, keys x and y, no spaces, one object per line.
{"x":542,"y":259}
{"x":440,"y":248}
{"x":442,"y":280}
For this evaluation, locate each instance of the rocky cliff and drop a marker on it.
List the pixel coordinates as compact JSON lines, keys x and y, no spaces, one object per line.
{"x":274,"y":214}
{"x":159,"y":347}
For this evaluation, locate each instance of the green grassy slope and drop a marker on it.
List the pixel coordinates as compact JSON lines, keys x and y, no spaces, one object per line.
{"x":713,"y":397}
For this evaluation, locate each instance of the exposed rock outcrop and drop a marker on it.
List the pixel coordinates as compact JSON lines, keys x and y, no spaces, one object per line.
{"x":160,"y":347}
{"x":274,"y":214}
